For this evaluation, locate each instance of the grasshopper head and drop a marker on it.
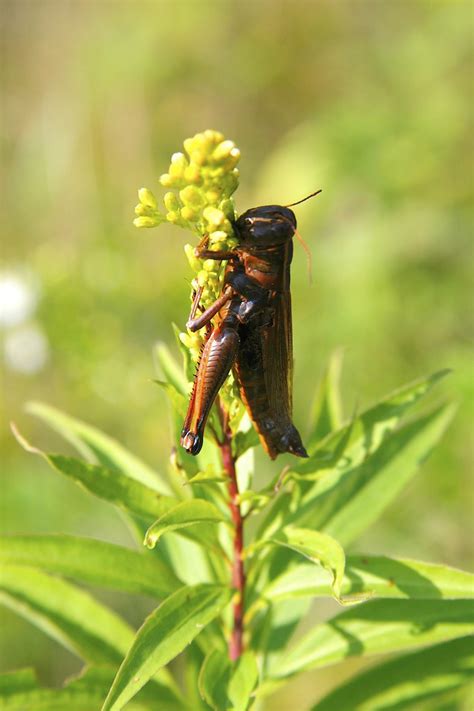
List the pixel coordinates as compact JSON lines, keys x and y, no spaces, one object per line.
{"x":266,"y":226}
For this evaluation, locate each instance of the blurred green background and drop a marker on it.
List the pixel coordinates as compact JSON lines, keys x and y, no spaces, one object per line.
{"x":369,"y":100}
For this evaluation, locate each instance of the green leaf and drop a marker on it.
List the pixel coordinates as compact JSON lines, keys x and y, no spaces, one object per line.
{"x":81,"y":693}
{"x":194,"y":659}
{"x":350,"y":497}
{"x":92,"y":561}
{"x":402,"y":682}
{"x":67,"y":614}
{"x":108,"y":484}
{"x":326,"y":415}
{"x":243,"y":681}
{"x":244,"y":441}
{"x":169,"y":369}
{"x":338,"y":465}
{"x":273,"y":626}
{"x":376,"y":627}
{"x":378,"y":575}
{"x":374,"y":424}
{"x":165,"y":633}
{"x":97,"y":447}
{"x":153,"y":697}
{"x":187,"y":513}
{"x":207,"y":477}
{"x":178,"y":400}
{"x":188,"y":364}
{"x":226,"y":685}
{"x":17,"y":681}
{"x":253,"y":501}
{"x":214,"y":680}
{"x":366,"y":491}
{"x":319,"y":548}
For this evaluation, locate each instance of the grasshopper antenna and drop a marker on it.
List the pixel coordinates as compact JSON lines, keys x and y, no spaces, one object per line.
{"x":292,"y":204}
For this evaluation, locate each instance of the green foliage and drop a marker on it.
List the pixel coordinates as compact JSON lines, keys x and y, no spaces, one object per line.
{"x":228,"y":685}
{"x":295,"y":555}
{"x":92,"y":561}
{"x":403,"y":682}
{"x":164,"y":634}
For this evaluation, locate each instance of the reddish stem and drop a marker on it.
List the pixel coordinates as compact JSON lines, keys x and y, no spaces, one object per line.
{"x":238,"y":573}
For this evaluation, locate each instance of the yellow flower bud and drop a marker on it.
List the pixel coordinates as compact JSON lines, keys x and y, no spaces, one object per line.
{"x":223,"y":150}
{"x":187,"y":213}
{"x":214,"y":216}
{"x":166,"y":180}
{"x":141,"y":209}
{"x":188,"y":144}
{"x":178,"y":165}
{"x":213,"y":136}
{"x":192,"y":174}
{"x":213,"y":196}
{"x":198,"y":157}
{"x":191,"y":196}
{"x":145,"y":222}
{"x":216,"y":236}
{"x":171,"y":202}
{"x":147,"y":198}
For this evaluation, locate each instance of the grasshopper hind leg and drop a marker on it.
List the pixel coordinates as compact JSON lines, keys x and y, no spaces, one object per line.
{"x":216,"y":360}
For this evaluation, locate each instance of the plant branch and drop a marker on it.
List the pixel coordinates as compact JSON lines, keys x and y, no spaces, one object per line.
{"x":238,"y":572}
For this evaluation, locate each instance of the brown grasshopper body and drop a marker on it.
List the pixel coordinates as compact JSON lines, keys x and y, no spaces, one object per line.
{"x":252,"y":333}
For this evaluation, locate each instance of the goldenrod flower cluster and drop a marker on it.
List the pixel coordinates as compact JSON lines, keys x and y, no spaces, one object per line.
{"x":200,"y":183}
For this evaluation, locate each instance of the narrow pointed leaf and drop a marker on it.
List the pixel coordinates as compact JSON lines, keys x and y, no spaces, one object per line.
{"x":108,"y":484}
{"x":165,"y":633}
{"x":83,"y":693}
{"x":188,"y":364}
{"x":375,"y":423}
{"x":273,"y":627}
{"x":92,"y":561}
{"x":214,"y":680}
{"x":326,"y":413}
{"x":153,"y":697}
{"x":67,"y":614}
{"x":379,"y":576}
{"x":73,"y":618}
{"x":243,"y":681}
{"x":333,"y":470}
{"x":226,"y":685}
{"x":407,"y":680}
{"x":194,"y":657}
{"x":185,"y":514}
{"x":376,"y":627}
{"x":319,"y":548}
{"x":364,"y":494}
{"x":348,"y":499}
{"x":169,"y":369}
{"x":97,"y":447}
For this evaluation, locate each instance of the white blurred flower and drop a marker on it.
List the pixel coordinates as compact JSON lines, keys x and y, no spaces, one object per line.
{"x":26,"y":349}
{"x":18,"y":299}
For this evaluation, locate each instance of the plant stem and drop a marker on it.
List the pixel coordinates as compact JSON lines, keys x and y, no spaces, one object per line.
{"x":238,"y":572}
